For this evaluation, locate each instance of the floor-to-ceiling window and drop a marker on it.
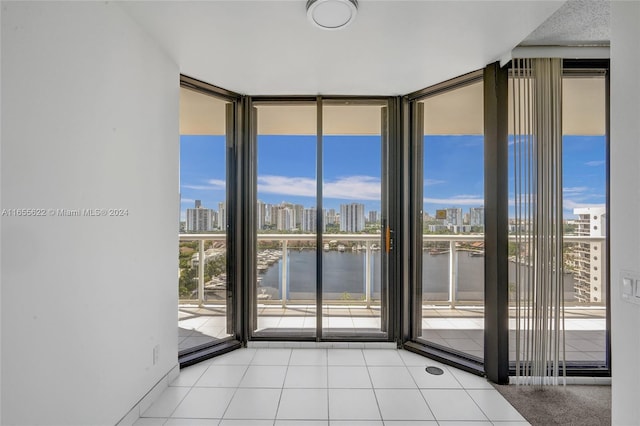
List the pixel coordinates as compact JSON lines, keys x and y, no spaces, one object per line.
{"x":584,"y":217}
{"x":204,"y":286}
{"x":320,"y":218}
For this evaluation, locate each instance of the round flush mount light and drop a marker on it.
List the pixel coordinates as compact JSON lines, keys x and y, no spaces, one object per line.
{"x":331,"y":14}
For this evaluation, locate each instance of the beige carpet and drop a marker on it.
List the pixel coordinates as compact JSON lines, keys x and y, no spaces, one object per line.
{"x":561,"y":405}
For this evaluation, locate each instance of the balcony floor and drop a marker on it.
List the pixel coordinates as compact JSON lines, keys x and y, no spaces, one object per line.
{"x":459,"y":328}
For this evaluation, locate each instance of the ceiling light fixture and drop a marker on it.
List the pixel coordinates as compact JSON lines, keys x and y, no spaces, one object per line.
{"x":331,"y":14}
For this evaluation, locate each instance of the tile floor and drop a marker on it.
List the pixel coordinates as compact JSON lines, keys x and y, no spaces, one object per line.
{"x":337,"y":387}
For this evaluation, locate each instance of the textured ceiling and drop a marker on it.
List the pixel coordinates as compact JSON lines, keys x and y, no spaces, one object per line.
{"x":577,"y":22}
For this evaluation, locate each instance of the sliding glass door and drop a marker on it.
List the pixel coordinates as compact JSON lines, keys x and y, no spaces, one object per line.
{"x":354,"y":143}
{"x":448,"y":146}
{"x":205,"y":288}
{"x":320,"y":219}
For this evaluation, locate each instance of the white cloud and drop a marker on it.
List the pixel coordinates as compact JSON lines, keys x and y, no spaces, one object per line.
{"x":211,"y":185}
{"x":353,"y":187}
{"x":284,"y":185}
{"x":187,"y":201}
{"x":575,"y":190}
{"x":431,"y":182}
{"x":458,"y":200}
{"x":594,"y":163}
{"x":571,"y":204}
{"x":347,"y":188}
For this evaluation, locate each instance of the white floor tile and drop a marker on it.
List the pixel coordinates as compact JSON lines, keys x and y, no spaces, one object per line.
{"x":149,"y":421}
{"x":264,"y":376}
{"x":452,"y":404}
{"x":271,"y":357}
{"x":231,"y":422}
{"x":413,"y":359}
{"x":192,"y":422}
{"x":308,"y":357}
{"x":524,"y":423}
{"x":345,"y":357}
{"x":356,"y":423}
{"x":494,"y":405}
{"x":432,"y":381}
{"x":204,"y":403}
{"x":349,"y":377}
{"x":166,"y":403}
{"x":470,"y":381}
{"x":258,"y":404}
{"x":302,"y":423}
{"x":303,"y":404}
{"x":384,"y":357}
{"x":238,"y":357}
{"x":353,"y":404}
{"x":410,"y":423}
{"x":190,"y":375}
{"x":306,"y":376}
{"x":391,"y":377}
{"x":222,"y":376}
{"x":402,"y":404}
{"x":462,"y":423}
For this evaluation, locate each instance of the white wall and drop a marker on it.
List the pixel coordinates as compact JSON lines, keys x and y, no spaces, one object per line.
{"x":89,"y":120}
{"x":625,"y":207}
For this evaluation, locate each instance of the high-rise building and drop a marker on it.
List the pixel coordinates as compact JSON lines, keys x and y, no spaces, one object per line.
{"x":286,"y":219}
{"x":222,"y":216}
{"x":476,"y":215}
{"x":454,"y":217}
{"x":199,"y":219}
{"x":589,"y":256}
{"x":351,"y":217}
{"x":330,"y":217}
{"x":298,"y":209}
{"x":309,"y":220}
{"x":261,"y":215}
{"x":373,"y":216}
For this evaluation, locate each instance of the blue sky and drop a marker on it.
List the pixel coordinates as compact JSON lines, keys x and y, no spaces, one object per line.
{"x":453,"y":171}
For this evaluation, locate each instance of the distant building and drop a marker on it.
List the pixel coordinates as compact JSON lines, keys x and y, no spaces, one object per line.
{"x":330,"y":217}
{"x":261,"y":215}
{"x":286,"y":220}
{"x":373,"y":216}
{"x":454,"y":216}
{"x":199,"y":219}
{"x":589,"y":256}
{"x":476,"y":216}
{"x":309,"y":220}
{"x":222,"y":216}
{"x":352,"y":217}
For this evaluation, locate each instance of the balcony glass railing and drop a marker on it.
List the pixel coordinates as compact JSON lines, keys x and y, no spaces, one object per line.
{"x":453,"y":266}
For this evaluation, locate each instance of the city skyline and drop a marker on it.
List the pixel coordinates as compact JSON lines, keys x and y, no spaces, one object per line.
{"x":453,"y":171}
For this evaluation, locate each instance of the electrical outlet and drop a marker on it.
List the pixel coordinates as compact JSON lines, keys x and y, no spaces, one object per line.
{"x":156,"y":354}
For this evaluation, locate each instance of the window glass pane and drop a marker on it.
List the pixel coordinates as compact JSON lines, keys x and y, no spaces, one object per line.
{"x":202,"y":316}
{"x":353,"y":290}
{"x":285,"y":210}
{"x":453,"y":221}
{"x":585,"y":211}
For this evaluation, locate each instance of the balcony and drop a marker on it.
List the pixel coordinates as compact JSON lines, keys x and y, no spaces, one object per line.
{"x":452,"y":313}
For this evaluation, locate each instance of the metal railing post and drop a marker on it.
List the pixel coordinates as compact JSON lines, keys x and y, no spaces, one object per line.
{"x":367,"y":274}
{"x":453,"y":273}
{"x":285,"y":262}
{"x":201,"y":273}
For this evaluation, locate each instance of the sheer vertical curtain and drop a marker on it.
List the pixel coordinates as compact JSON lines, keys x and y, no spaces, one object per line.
{"x":537,"y":156}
